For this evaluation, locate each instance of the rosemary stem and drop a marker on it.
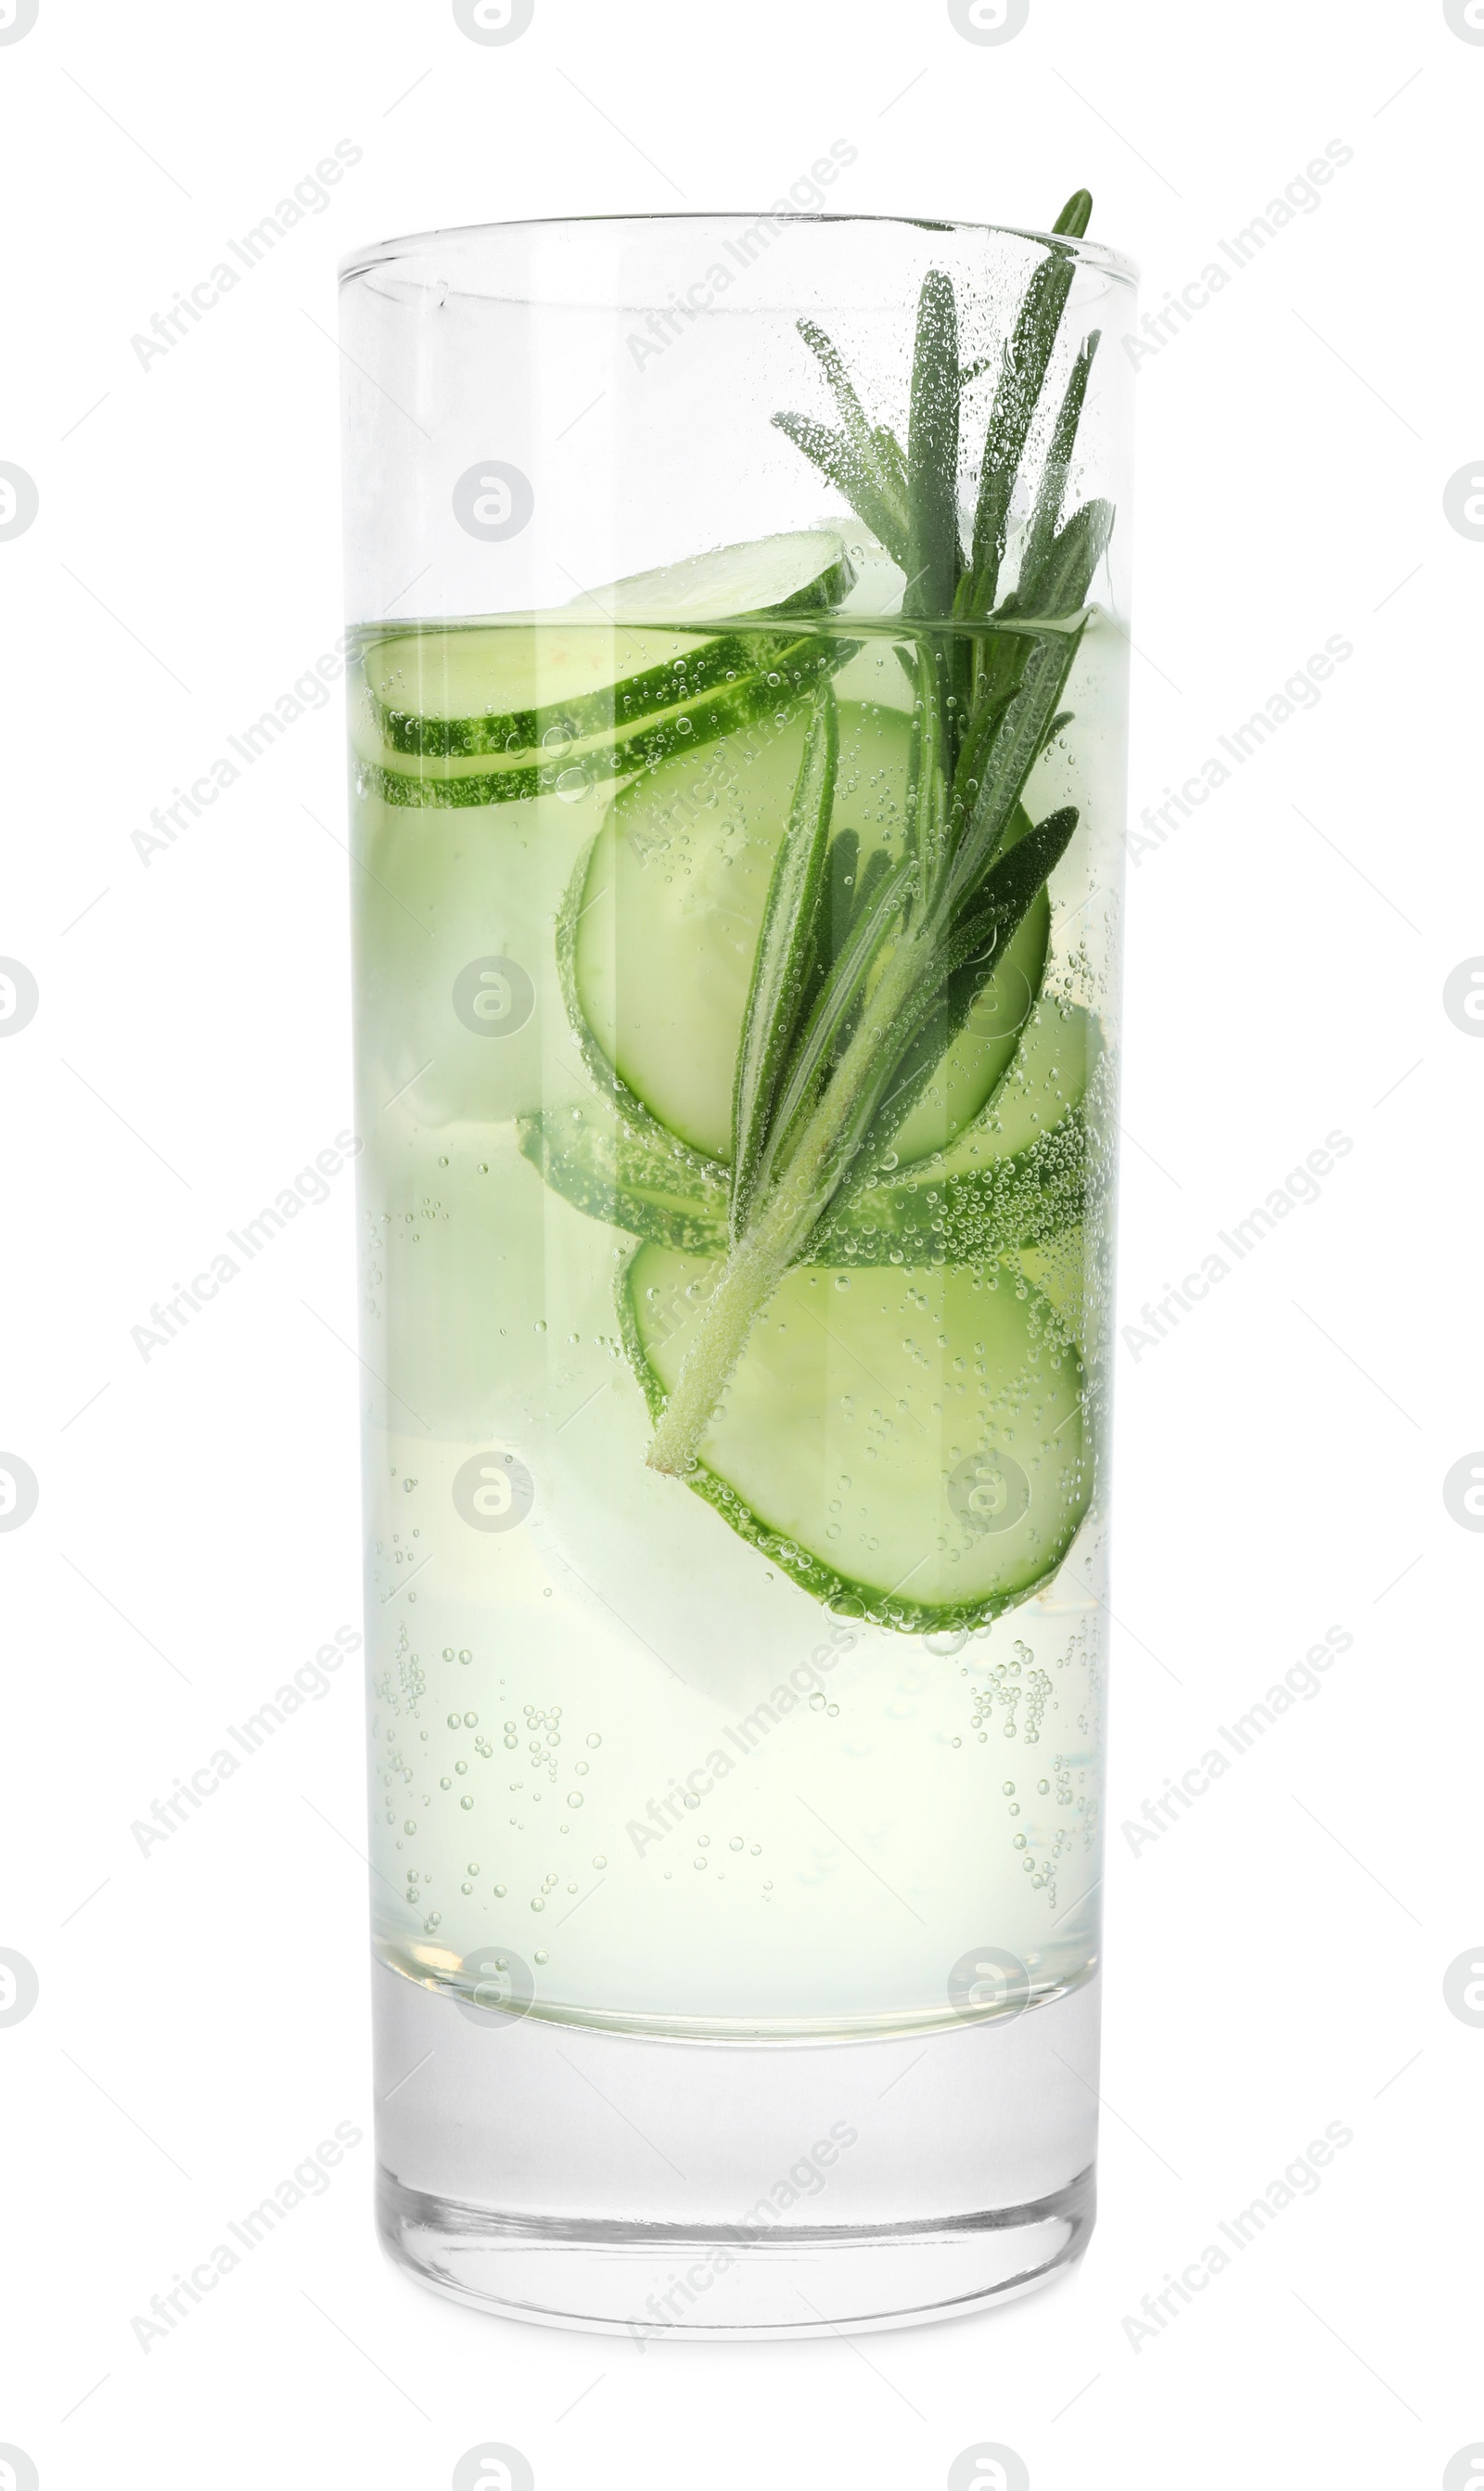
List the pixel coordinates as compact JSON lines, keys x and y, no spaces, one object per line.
{"x":791,"y":1208}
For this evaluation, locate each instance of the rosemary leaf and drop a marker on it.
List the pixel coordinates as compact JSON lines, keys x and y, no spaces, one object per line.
{"x":1059,"y":458}
{"x":786,"y":951}
{"x":873,"y":873}
{"x":853,"y":414}
{"x":1008,"y":890}
{"x":1022,"y":379}
{"x":841,"y":882}
{"x":877,"y":451}
{"x":1060,"y":583}
{"x":1076,"y":216}
{"x":837,"y":457}
{"x":961,"y":969}
{"x":1011,"y":756}
{"x":932,"y":454}
{"x":893,"y":463}
{"x":834,"y":1014}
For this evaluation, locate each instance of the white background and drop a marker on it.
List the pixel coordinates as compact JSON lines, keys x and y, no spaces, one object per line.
{"x":1276,"y":1958}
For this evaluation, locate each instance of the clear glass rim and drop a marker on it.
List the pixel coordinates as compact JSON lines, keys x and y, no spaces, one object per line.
{"x":364,"y":262}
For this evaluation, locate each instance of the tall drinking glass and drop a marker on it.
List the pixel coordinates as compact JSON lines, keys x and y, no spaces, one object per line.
{"x":737,"y":720}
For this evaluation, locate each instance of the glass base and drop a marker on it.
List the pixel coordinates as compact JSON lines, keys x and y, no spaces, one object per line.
{"x":659,"y":2189}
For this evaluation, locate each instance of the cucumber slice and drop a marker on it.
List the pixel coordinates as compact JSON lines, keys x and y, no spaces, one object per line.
{"x":640,"y":1179}
{"x":1017,"y":1176}
{"x":664,"y":920}
{"x":1060,"y":1052}
{"x":773,"y":669}
{"x":538,"y":685}
{"x":631,"y":1177}
{"x":970,"y":1217}
{"x":1059,"y":1270}
{"x":526,"y":687}
{"x":807,"y":574}
{"x":1008,"y":1184}
{"x":906,"y":1445}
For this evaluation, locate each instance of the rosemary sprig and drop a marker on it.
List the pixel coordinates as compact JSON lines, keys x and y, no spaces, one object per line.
{"x":861,"y":981}
{"x":787,"y":955}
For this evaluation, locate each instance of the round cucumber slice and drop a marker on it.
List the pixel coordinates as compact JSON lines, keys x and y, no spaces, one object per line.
{"x":908,"y":1445}
{"x":665,"y":920}
{"x":806,"y":574}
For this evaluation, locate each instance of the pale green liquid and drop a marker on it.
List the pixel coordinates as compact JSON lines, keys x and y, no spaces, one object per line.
{"x":863,"y":1807}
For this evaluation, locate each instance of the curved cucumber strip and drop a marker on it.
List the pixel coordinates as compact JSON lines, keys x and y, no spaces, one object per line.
{"x":972,"y":1216}
{"x":996,"y":1193}
{"x":806,"y":574}
{"x":630,"y":1176}
{"x":1060,"y":1048}
{"x":615,"y":748}
{"x":907,"y":1445}
{"x":1059,"y":1271}
{"x":1017,"y":1176}
{"x":667,"y":914}
{"x":508,"y":689}
{"x":640,"y":1179}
